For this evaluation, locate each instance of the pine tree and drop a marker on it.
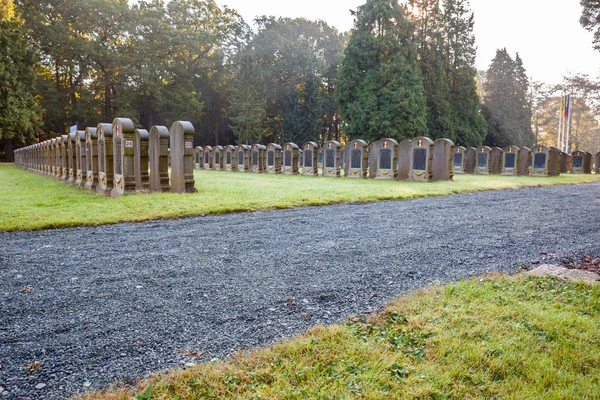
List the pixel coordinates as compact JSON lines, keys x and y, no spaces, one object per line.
{"x":469,"y":123}
{"x":311,"y":109}
{"x":248,"y":102}
{"x":379,"y":92}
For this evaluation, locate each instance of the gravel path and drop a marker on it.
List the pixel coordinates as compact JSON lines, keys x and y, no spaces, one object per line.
{"x":117,"y":302}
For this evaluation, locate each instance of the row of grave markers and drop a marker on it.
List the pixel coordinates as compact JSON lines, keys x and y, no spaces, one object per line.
{"x":117,"y":159}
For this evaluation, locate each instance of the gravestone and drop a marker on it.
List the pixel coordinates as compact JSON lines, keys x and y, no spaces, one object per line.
{"x":510,"y":160}
{"x":106,"y":171}
{"x":386,"y":155}
{"x":470,"y":160}
{"x":208,"y":157}
{"x":218,"y":154}
{"x":421,"y":160}
{"x":357,"y":159}
{"x":588,"y":163}
{"x":91,"y":149}
{"x":310,"y":165}
{"x":580,"y":159}
{"x":142,"y":148}
{"x":63,"y":155}
{"x":545,"y":161}
{"x":230,"y":158}
{"x":273,"y":159}
{"x":123,"y":132}
{"x":404,"y":154}
{"x":199,"y":157}
{"x":564,"y":161}
{"x":290,"y":159}
{"x":496,"y":161}
{"x":483,"y":161}
{"x":554,"y":162}
{"x":71,"y":157}
{"x":597,"y":163}
{"x":443,"y":155}
{"x":158,"y":159}
{"x":243,"y":158}
{"x":459,"y":160}
{"x":524,"y":161}
{"x":257,"y":158}
{"x":80,"y":154}
{"x":182,"y":157}
{"x":332,"y":159}
{"x":53,"y":162}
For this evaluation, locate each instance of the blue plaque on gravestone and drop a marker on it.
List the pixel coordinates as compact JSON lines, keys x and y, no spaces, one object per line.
{"x":270,"y":158}
{"x":385,"y":159}
{"x":420,"y":160}
{"x":509,"y":160}
{"x":217,"y":158}
{"x":330,"y":159}
{"x":356,"y":159}
{"x":539,"y":161}
{"x":228,"y":158}
{"x":482,"y":160}
{"x":458,"y":159}
{"x":287,"y":158}
{"x":255,"y":158}
{"x":241,"y":157}
{"x":577,"y":162}
{"x":308,"y":158}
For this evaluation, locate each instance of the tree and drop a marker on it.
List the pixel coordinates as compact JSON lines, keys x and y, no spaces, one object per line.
{"x":248,"y":102}
{"x":469,"y":124}
{"x":506,"y":107}
{"x":590,"y":19}
{"x":18,"y":108}
{"x":379,"y":92}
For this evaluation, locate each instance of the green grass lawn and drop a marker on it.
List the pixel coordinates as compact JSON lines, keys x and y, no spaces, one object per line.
{"x":491,"y":338}
{"x":29,"y":201}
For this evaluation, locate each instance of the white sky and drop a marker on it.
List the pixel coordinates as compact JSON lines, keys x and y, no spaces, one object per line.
{"x":546,"y":33}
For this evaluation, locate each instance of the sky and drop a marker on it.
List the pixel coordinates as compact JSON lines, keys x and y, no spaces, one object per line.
{"x":546,"y":33}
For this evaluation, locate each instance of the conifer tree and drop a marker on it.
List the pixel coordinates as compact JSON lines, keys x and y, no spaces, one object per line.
{"x":292,"y":120}
{"x":379,"y":92}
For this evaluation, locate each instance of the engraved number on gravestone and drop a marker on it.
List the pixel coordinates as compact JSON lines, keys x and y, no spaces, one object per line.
{"x":287,"y":158}
{"x":308,"y":161}
{"x":539,"y":161}
{"x":356,"y":159}
{"x":420,"y":159}
{"x":255,"y":158}
{"x":241,"y":158}
{"x":577,"y":162}
{"x":482,"y":159}
{"x":189,"y":145}
{"x":509,"y":160}
{"x":129,"y":143}
{"x":270,"y":158}
{"x":330,"y":159}
{"x":385,"y":159}
{"x":458,"y":159}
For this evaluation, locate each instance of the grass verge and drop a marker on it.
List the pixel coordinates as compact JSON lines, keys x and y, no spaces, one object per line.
{"x":29,"y":201}
{"x":497,"y":337}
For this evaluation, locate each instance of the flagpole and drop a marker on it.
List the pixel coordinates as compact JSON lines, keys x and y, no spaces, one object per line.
{"x":560,"y":122}
{"x":568,"y":123}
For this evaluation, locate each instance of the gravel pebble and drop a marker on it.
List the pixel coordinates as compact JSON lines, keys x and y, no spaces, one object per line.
{"x":215,"y":285}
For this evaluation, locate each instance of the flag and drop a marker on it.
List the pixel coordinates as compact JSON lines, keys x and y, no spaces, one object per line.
{"x":562,"y":107}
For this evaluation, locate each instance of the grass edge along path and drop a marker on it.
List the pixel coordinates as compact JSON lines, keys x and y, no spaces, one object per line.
{"x":31,"y":202}
{"x":493,"y":337}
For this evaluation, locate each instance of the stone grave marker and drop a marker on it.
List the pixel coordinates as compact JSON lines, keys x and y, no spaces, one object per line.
{"x":386,"y":159}
{"x":443,"y":155}
{"x":91,"y":149}
{"x":310,"y":165}
{"x":496,"y":161}
{"x":63,"y":156}
{"x":357,"y":159}
{"x":273,"y":165}
{"x":199,"y":157}
{"x":182,"y":157}
{"x":106,"y":172}
{"x":564,"y":160}
{"x":545,"y":161}
{"x":158,"y":159}
{"x":588,"y":163}
{"x":510,"y":160}
{"x":290,"y":159}
{"x":218,"y":158}
{"x":483,"y":162}
{"x":470,"y":160}
{"x":421,"y":165}
{"x":332,"y":159}
{"x":80,"y":154}
{"x":208,"y":157}
{"x":123,"y":132}
{"x":230,"y":158}
{"x":597,"y":163}
{"x":243,"y":158}
{"x":141,"y":160}
{"x":404,"y":156}
{"x":257,"y":158}
{"x":459,"y":160}
{"x":524,"y":161}
{"x":53,"y":161}
{"x":71,"y":157}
